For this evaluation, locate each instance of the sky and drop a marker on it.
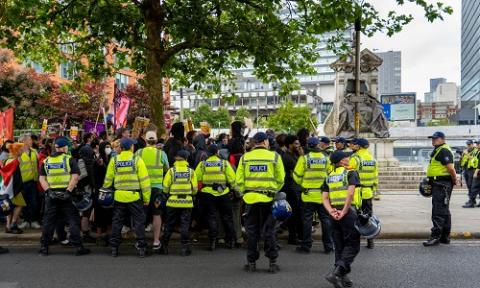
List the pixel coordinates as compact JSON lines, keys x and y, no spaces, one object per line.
{"x":429,"y":50}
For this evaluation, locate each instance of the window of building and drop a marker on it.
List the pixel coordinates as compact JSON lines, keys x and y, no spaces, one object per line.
{"x":67,"y":70}
{"x":121,"y":81}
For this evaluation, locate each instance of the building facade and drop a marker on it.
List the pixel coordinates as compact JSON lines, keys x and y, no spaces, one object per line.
{"x":436,"y":111}
{"x":390,"y":73}
{"x":470,"y":61}
{"x":442,"y":91}
{"x":317,"y":91}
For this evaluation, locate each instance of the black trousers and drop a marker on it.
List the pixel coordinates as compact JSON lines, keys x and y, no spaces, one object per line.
{"x":472,"y":189}
{"x":294,"y":223}
{"x":259,"y":222}
{"x":441,"y":217}
{"x":56,"y":209}
{"x":120,"y":212}
{"x":347,"y":241}
{"x":327,"y":233}
{"x":175,"y":215}
{"x":468,"y":175}
{"x":220,"y":207}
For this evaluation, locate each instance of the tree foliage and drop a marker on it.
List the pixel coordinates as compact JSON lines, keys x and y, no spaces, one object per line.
{"x":289,"y":118}
{"x":242,"y":113}
{"x":193,"y":42}
{"x":204,"y":113}
{"x":21,"y":88}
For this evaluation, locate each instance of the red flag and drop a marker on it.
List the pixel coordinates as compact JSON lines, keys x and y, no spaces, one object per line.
{"x":7,"y":173}
{"x":6,"y":124}
{"x":121,"y":104}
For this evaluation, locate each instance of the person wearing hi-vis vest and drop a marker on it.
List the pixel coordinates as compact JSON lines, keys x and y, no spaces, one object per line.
{"x":469,"y":163}
{"x":128,"y":175}
{"x":366,"y":166}
{"x":58,"y":177}
{"x":216,"y":178}
{"x":441,"y":178}
{"x":260,"y":175}
{"x":180,"y":184}
{"x":156,"y":162}
{"x":310,"y":173}
{"x":341,"y":199}
{"x":29,"y":170}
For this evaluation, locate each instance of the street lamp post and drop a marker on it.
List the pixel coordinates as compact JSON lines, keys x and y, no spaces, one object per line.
{"x":181,"y":104}
{"x":358,"y":28}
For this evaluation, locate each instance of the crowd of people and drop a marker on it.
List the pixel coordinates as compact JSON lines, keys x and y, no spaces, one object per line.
{"x":224,"y":184}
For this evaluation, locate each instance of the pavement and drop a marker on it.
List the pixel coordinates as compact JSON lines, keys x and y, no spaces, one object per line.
{"x":403,"y":214}
{"x":392,"y":264}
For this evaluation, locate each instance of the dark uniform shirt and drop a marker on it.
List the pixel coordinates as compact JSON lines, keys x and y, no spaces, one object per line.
{"x":445,"y":156}
{"x":73,"y":167}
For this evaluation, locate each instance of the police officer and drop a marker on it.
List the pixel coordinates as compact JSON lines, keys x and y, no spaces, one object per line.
{"x":341,"y":144}
{"x":442,"y":177}
{"x":128,"y":174}
{"x":180,"y":183}
{"x":217,"y":178}
{"x":260,"y":175}
{"x":310,"y":173}
{"x":341,"y":199}
{"x":469,"y":162}
{"x":363,"y":162}
{"x":58,"y":177}
{"x":156,"y":162}
{"x":325,"y":146}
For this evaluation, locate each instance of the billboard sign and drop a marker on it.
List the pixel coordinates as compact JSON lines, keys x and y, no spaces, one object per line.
{"x":399,"y":106}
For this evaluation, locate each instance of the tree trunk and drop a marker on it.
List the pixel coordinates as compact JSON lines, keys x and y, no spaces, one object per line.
{"x":154,"y":73}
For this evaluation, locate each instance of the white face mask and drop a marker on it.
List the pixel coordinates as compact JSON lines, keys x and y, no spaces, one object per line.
{"x":108,"y":151}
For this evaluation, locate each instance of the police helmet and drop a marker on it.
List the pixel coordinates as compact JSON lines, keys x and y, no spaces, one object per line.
{"x":425,"y":188}
{"x":83,"y":200}
{"x":281,"y":210}
{"x":105,"y":198}
{"x":6,"y":205}
{"x":368,"y":226}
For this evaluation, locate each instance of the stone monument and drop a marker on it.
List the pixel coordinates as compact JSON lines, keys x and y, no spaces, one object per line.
{"x":373,"y":123}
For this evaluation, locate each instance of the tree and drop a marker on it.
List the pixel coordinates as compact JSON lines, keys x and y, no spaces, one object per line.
{"x":81,"y":101}
{"x":221,"y":118}
{"x":289,"y":118}
{"x":242,"y":113}
{"x":21,"y":88}
{"x":193,"y":42}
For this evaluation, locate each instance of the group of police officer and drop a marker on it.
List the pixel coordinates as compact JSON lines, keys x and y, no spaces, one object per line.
{"x":469,"y":164}
{"x":338,"y":185}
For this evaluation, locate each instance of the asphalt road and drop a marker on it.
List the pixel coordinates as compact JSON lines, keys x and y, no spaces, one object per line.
{"x":390,"y":264}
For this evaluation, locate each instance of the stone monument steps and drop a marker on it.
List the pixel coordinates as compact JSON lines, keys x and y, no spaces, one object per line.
{"x":400,"y":178}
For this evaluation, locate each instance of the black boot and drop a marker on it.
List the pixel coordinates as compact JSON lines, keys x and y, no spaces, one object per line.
{"x":212,"y":245}
{"x":3,"y":250}
{"x":82,"y":251}
{"x":43,"y":250}
{"x":469,"y":204}
{"x":163,"y":250}
{"x":328,"y":250}
{"x":114,"y":251}
{"x":335,"y":277}
{"x":230,"y":245}
{"x":273,"y":267}
{"x":431,"y":242}
{"x":141,"y":252}
{"x":302,"y":250}
{"x":186,"y":251}
{"x":250,"y":267}
{"x":445,"y":240}
{"x":370,"y":243}
{"x":346,"y":281}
